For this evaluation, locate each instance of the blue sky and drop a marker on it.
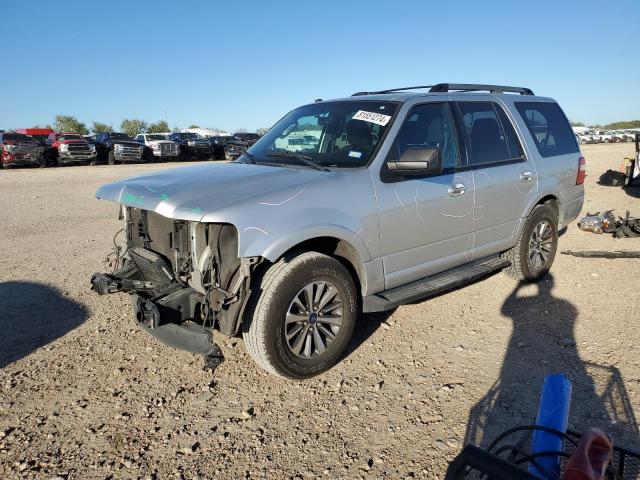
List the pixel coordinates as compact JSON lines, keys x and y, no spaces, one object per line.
{"x":244,"y":64}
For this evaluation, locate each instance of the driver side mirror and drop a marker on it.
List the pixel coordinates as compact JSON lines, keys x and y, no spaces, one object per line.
{"x":417,"y":161}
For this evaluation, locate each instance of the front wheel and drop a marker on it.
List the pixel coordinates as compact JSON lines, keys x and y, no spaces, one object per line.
{"x":111,"y":158}
{"x":535,"y":251}
{"x":302,"y":316}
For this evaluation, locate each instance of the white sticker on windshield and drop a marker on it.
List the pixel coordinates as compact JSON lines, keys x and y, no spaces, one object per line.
{"x":355,"y":154}
{"x":372,"y":117}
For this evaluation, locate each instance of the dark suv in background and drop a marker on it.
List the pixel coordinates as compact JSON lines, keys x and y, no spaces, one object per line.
{"x":191,"y":145}
{"x":115,"y":147}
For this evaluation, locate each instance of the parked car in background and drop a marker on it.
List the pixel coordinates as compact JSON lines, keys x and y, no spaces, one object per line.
{"x":234,"y":147}
{"x":157,"y":147}
{"x":115,"y":147}
{"x":586,"y":137}
{"x":191,"y":145}
{"x":248,"y":138}
{"x":18,"y":149}
{"x":602,"y":136}
{"x":216,"y":146}
{"x":624,"y":135}
{"x":274,"y":246}
{"x":40,"y":134}
{"x":67,"y":148}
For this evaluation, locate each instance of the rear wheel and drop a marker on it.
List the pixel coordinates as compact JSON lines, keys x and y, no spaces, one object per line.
{"x":535,"y":251}
{"x":302,"y":316}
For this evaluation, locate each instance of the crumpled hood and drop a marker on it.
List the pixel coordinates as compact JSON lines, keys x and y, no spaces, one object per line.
{"x":190,"y":193}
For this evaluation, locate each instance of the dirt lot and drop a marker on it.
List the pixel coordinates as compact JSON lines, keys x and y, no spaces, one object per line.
{"x":85,"y":394}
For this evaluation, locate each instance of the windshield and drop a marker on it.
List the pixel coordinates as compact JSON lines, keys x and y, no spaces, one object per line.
{"x":332,"y":134}
{"x":188,"y":135}
{"x":19,"y":137}
{"x":121,"y":136}
{"x":155,"y":137}
{"x":69,"y":136}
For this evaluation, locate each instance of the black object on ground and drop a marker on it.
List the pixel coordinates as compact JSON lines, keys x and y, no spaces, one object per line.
{"x":603,"y":254}
{"x":213,"y":358}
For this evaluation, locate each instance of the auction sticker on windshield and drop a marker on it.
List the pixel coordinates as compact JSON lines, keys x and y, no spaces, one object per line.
{"x":372,"y":117}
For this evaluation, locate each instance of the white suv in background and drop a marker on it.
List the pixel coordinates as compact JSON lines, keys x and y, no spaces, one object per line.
{"x":157,"y":146}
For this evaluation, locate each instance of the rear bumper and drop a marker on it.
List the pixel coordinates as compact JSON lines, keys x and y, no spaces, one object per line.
{"x":571,"y":209}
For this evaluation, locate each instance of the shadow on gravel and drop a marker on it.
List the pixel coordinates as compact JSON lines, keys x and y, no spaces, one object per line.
{"x":633,"y":191}
{"x":543,"y":342}
{"x":367,"y":324}
{"x":31,"y":316}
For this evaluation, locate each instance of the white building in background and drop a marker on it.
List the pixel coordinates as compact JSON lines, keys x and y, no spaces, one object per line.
{"x":207,"y":132}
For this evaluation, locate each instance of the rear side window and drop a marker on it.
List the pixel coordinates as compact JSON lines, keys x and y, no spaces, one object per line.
{"x":549,"y":128}
{"x":489,"y":132}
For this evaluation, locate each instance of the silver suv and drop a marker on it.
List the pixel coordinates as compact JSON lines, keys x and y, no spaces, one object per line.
{"x":354,"y":205}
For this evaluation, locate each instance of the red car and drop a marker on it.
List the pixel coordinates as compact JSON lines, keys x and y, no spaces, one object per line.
{"x":66,"y":148}
{"x":39,"y":134}
{"x":19,"y":149}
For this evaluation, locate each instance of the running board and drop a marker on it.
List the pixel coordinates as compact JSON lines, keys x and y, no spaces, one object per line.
{"x":433,"y":285}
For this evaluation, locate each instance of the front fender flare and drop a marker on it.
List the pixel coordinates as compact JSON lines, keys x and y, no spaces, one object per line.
{"x":254,"y":242}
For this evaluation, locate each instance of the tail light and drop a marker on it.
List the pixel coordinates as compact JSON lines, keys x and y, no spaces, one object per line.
{"x":582,"y":171}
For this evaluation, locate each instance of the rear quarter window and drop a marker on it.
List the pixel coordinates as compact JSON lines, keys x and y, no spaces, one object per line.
{"x":549,"y":128}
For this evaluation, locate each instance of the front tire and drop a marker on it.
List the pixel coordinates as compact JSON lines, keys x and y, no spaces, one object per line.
{"x":111,"y":158}
{"x":301,"y":316}
{"x":535,"y":251}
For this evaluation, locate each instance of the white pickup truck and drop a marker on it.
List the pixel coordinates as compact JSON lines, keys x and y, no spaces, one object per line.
{"x":157,"y":147}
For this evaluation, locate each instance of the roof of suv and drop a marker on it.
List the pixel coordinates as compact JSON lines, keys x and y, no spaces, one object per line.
{"x":407,"y":93}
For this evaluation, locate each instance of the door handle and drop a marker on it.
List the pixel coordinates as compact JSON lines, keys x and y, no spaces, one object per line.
{"x":457,"y":189}
{"x":526,"y":176}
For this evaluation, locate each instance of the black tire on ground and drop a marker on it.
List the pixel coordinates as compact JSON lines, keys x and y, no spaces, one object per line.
{"x":533,"y":255}
{"x":111,"y":158}
{"x":272,"y":316}
{"x":42,"y":161}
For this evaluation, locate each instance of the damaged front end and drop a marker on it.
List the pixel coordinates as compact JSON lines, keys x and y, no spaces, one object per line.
{"x":185,"y":278}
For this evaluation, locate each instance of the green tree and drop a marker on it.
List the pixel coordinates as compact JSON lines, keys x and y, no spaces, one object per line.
{"x":193,"y":125}
{"x":101,"y":127}
{"x":577,"y":124}
{"x":623,"y":125}
{"x":261,"y":131}
{"x":133,"y":126}
{"x":241,"y":130}
{"x":67,"y":123}
{"x":158,"y":127}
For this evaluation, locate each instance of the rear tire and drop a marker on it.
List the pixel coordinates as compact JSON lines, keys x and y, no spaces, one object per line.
{"x":533,"y":255}
{"x":280,"y":336}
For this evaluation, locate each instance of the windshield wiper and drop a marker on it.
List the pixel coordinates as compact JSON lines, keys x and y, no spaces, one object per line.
{"x":300,"y":157}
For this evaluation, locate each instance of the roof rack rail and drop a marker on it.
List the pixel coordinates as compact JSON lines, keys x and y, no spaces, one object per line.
{"x":472,"y":87}
{"x":391,"y":90}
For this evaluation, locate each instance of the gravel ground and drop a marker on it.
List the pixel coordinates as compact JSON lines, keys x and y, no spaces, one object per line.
{"x":85,"y":394}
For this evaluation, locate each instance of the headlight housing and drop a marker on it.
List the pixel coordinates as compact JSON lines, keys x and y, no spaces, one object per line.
{"x":117,"y":147}
{"x":191,"y":143}
{"x":9,"y":148}
{"x":64,"y":147}
{"x":92,"y":147}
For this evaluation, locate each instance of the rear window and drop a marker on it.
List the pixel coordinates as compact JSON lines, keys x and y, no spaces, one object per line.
{"x":549,"y":128}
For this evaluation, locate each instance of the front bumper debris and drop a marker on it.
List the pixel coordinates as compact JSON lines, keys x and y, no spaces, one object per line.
{"x":163,"y":307}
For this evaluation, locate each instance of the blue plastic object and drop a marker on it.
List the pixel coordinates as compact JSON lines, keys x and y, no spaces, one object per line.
{"x":553,"y":412}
